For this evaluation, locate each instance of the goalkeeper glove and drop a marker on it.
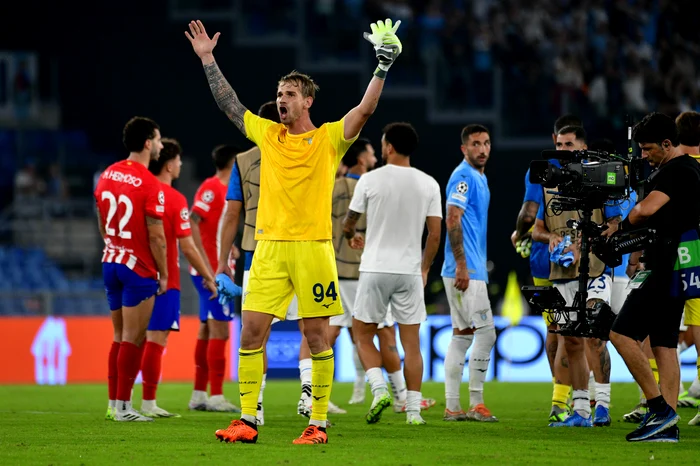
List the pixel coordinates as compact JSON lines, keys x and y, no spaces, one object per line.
{"x":227,"y":289}
{"x":387,"y":45}
{"x":524,"y":246}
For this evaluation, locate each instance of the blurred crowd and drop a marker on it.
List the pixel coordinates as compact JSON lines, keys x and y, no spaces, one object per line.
{"x":600,"y":58}
{"x":32,"y":182}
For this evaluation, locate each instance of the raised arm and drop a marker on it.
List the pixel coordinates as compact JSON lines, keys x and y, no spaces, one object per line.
{"x":223,"y":93}
{"x":357,"y":117}
{"x":432,"y":244}
{"x":387,"y":48}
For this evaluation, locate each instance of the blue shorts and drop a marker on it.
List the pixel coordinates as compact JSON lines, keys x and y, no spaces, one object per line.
{"x":124,"y":287}
{"x":210,"y":308}
{"x":166,"y":312}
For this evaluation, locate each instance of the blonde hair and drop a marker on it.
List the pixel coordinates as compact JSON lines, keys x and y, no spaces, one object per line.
{"x":302,"y":81}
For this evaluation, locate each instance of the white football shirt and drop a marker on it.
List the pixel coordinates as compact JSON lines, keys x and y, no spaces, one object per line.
{"x":397,"y":200}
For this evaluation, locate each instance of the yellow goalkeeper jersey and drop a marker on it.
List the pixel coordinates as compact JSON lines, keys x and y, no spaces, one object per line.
{"x":297,"y":174}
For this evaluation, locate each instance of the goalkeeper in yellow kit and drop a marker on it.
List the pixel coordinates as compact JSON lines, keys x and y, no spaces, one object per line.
{"x":294,"y":252}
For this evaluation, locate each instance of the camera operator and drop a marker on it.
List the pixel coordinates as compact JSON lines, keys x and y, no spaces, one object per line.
{"x":539,"y":269}
{"x":551,"y":228}
{"x":653,"y":309}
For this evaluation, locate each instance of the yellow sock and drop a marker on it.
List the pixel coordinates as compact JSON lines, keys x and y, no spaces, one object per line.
{"x":560,"y":395}
{"x":322,"y":370}
{"x":654,"y":369}
{"x":698,"y":367}
{"x":250,"y":374}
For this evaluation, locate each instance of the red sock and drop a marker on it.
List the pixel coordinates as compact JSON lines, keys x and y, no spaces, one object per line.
{"x":216,"y":359}
{"x":128,"y":364}
{"x":112,"y":371}
{"x":150,"y":369}
{"x":201,"y":368}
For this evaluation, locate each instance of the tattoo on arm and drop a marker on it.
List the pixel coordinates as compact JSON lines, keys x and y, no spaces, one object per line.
{"x":153,"y":221}
{"x":526,"y":217}
{"x":349,"y":223}
{"x":225,"y":96}
{"x":393,"y":348}
{"x":454,"y":232}
{"x":195,"y":218}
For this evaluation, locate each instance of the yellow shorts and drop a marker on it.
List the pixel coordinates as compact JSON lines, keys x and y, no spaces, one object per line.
{"x":281,"y":269}
{"x":692,"y":312}
{"x":548,"y":318}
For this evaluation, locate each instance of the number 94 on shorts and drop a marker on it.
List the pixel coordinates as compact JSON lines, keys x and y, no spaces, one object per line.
{"x":281,"y":269}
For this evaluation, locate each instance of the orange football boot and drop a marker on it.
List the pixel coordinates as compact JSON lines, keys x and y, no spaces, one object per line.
{"x":238,"y":431}
{"x":312,"y":435}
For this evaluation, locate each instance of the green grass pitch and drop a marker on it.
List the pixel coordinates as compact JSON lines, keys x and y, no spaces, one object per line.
{"x":65,"y":425}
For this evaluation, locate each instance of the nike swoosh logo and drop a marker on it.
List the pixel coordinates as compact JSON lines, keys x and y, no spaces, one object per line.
{"x":481,"y":370}
{"x":319,"y":397}
{"x":327,"y":305}
{"x":245,"y":393}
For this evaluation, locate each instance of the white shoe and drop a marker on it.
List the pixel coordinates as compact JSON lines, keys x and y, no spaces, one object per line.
{"x":126,"y":413}
{"x":358,"y":395}
{"x":695,"y":421}
{"x":333,"y":409}
{"x":219,"y":404}
{"x":151,"y":410}
{"x":198,"y":401}
{"x":304,"y":406}
{"x":260,"y":415}
{"x":414,"y":419}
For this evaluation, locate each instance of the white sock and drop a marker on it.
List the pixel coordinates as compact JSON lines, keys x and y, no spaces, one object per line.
{"x":454,"y":369}
{"x":591,"y":386}
{"x":479,"y":359}
{"x":359,"y":370}
{"x":214,"y":399}
{"x":112,"y":404}
{"x":123,"y":406}
{"x":249,"y":418}
{"x":582,"y":403}
{"x":314,"y":422}
{"x":413,"y":400}
{"x":199,"y":395}
{"x":147,"y":405}
{"x":694,"y":389}
{"x":642,"y":398}
{"x":376,"y":381}
{"x":305,"y":376}
{"x":398,"y":386}
{"x":602,"y":394}
{"x":262,"y":389}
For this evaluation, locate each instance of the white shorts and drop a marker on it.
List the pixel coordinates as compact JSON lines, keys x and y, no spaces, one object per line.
{"x":376,"y":291}
{"x":348,"y":290}
{"x":470,"y":308}
{"x":619,"y":293}
{"x":598,"y":288}
{"x":292,"y":310}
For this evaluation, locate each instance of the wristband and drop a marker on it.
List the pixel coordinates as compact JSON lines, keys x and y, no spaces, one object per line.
{"x":380,"y":73}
